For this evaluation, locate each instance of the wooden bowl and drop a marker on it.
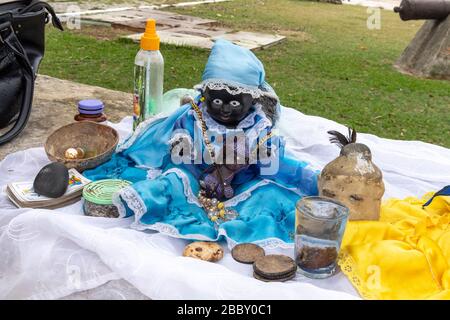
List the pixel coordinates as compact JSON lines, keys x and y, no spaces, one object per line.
{"x":98,"y":141}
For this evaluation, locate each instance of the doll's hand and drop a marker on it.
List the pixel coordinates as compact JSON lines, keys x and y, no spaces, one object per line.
{"x":210,"y":184}
{"x":215,"y":187}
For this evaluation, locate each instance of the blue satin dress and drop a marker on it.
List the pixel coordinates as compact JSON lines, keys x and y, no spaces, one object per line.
{"x":163,"y":196}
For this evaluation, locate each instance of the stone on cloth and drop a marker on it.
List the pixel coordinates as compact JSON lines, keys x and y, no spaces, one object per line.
{"x":52,"y":181}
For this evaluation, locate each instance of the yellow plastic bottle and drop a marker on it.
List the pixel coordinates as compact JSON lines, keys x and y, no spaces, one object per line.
{"x":148,"y":76}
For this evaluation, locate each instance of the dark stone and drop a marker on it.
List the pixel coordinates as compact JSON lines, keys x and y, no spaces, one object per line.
{"x":52,"y":181}
{"x":313,"y":258}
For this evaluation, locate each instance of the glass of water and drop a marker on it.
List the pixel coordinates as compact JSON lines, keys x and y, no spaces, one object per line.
{"x":319,"y":228}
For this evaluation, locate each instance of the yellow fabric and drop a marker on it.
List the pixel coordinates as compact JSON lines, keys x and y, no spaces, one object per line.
{"x":405,"y":255}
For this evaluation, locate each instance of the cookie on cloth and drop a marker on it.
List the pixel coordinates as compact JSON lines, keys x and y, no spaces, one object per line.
{"x":247,"y":253}
{"x":207,"y":251}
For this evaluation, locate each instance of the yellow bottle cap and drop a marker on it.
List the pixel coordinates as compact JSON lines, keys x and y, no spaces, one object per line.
{"x":150,"y":39}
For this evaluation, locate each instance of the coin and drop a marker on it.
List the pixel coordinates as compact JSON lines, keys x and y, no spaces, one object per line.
{"x":247,"y":253}
{"x":274,"y":266}
{"x":285,"y":278}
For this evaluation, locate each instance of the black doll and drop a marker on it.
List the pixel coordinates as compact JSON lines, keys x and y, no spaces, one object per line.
{"x":229,"y":110}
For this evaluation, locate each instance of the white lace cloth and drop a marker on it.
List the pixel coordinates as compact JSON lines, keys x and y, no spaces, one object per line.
{"x":52,"y":254}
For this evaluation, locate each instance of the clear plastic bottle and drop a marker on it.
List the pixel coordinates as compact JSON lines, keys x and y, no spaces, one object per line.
{"x":148,"y":76}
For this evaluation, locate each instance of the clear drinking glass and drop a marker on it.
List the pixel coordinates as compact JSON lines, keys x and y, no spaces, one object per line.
{"x":319,"y":228}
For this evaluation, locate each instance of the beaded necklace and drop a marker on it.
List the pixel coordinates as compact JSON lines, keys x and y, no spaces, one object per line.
{"x":215,"y":209}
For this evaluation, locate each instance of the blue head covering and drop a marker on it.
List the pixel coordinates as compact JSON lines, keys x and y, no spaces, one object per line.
{"x":238,"y":70}
{"x":234,"y":64}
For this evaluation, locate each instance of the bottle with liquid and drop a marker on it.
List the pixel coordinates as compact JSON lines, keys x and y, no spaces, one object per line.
{"x":148,"y":76}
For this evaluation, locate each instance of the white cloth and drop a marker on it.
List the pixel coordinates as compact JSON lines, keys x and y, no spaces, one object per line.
{"x":50,"y":254}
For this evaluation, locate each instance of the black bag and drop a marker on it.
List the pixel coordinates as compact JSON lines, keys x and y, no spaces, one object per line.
{"x":22,"y":43}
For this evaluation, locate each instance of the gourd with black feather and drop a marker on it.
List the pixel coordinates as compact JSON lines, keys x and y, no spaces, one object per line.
{"x":353,"y":178}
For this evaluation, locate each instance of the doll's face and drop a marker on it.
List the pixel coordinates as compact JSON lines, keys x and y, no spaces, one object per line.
{"x":226,"y":108}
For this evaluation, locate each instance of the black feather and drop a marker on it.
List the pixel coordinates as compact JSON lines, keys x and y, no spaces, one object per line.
{"x":340,"y":140}
{"x":352,"y":135}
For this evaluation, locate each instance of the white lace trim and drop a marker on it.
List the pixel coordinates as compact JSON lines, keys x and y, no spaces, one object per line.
{"x":269,"y":243}
{"x":234,"y":88}
{"x":132,"y":199}
{"x":250,"y":119}
{"x":171,"y":231}
{"x":153,"y":173}
{"x":262,"y":125}
{"x":141,"y":128}
{"x":247,"y":193}
{"x":119,"y":205}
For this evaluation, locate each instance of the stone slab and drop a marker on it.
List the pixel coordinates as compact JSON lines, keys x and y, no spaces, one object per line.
{"x":178,"y":39}
{"x":252,"y":40}
{"x":200,"y":38}
{"x":177,"y":29}
{"x":138,"y":17}
{"x":55,"y":105}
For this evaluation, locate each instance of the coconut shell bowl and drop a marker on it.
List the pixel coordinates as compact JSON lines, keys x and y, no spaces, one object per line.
{"x":97,"y":141}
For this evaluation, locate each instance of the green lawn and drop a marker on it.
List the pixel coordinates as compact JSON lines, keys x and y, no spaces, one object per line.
{"x":126,"y":2}
{"x":331,"y":65}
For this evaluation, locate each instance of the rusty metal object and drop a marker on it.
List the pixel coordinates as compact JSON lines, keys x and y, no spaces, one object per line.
{"x":423,"y":9}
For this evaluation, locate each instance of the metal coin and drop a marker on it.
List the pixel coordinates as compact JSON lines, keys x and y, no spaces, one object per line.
{"x":247,"y":253}
{"x":274,"y":266}
{"x":286,"y":278}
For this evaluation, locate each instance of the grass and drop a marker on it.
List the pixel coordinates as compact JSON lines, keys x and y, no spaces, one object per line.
{"x":331,"y":65}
